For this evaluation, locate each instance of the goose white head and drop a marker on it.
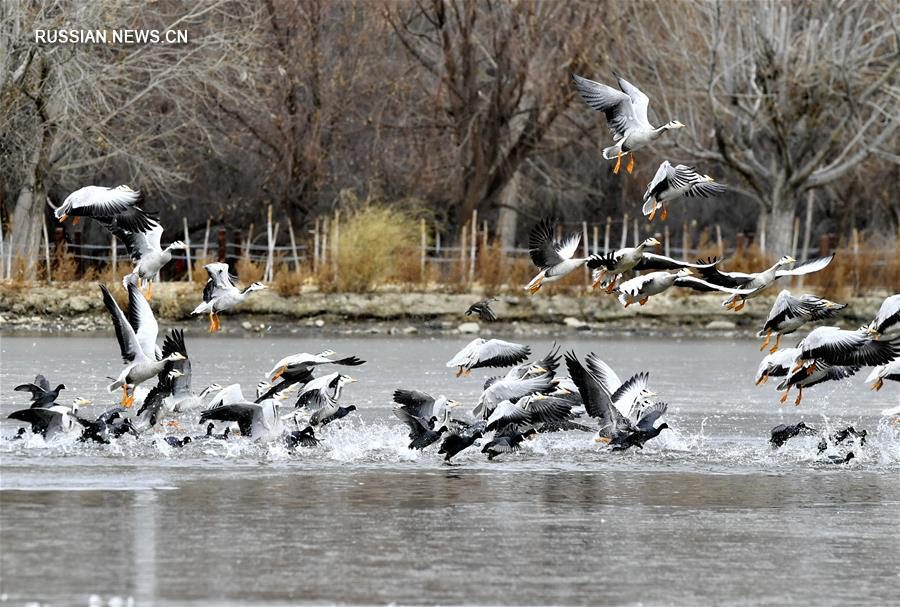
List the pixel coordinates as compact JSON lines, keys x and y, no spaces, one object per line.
{"x":786,"y":261}
{"x":176,"y":356}
{"x":177,"y":245}
{"x":645,"y":393}
{"x":256,"y":286}
{"x":674,"y":124}
{"x":79,"y":402}
{"x":327,"y":353}
{"x":684,"y":272}
{"x":651,"y":242}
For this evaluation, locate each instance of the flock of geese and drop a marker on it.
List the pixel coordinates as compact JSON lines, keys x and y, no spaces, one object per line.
{"x":530,"y":398}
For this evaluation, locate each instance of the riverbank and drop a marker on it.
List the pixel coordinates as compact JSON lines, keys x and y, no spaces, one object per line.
{"x":77,"y":307}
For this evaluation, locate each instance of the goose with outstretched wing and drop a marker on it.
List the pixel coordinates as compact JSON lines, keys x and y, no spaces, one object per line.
{"x":554,"y":258}
{"x":105,"y":204}
{"x":754,"y":284}
{"x":808,"y":377}
{"x":220,"y":293}
{"x":888,"y":316}
{"x":841,"y":347}
{"x":671,"y":182}
{"x":147,"y":253}
{"x":304,"y":360}
{"x":888,"y":371}
{"x":636,"y":259}
{"x":790,"y":313}
{"x":480,"y":353}
{"x":626,"y":116}
{"x":136,"y":335}
{"x":641,"y":288}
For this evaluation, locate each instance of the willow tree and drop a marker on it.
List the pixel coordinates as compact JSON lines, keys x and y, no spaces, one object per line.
{"x":70,"y":112}
{"x":787,"y":96}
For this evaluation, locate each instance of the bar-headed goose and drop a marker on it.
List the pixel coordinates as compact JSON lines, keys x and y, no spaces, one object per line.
{"x":641,"y":288}
{"x":147,"y":253}
{"x":488,"y":353}
{"x":258,"y":421}
{"x":840,"y":347}
{"x":888,"y":371}
{"x":636,"y":259}
{"x":220,"y":293}
{"x":776,"y":364}
{"x":817,"y":373}
{"x":53,"y":421}
{"x":137,"y":341}
{"x":790,"y":313}
{"x":671,"y":182}
{"x":888,"y":316}
{"x":758,"y":282}
{"x":106,"y":205}
{"x":554,"y":258}
{"x":626,"y":116}
{"x":302,"y":361}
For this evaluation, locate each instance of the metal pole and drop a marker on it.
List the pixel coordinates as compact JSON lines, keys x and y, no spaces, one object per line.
{"x":187,"y":250}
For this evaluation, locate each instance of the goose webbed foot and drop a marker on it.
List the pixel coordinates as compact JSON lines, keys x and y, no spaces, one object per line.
{"x":740,"y":306}
{"x":630,"y":166}
{"x":76,"y":220}
{"x":799,"y":397}
{"x":785,"y":396}
{"x":766,"y":343}
{"x":611,"y":286}
{"x":211,"y":323}
{"x":652,"y":213}
{"x":618,"y":164}
{"x":777,"y":345}
{"x":643,"y":301}
{"x":149,"y":292}
{"x":664,"y":213}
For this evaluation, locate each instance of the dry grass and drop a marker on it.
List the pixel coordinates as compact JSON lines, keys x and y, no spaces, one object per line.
{"x":248,"y":271}
{"x":198,"y":273}
{"x":377,"y":245}
{"x":498,"y":273}
{"x":63,"y":264}
{"x":287,"y":281}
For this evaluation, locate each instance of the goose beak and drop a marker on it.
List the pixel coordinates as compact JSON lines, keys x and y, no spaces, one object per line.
{"x":762,"y":379}
{"x":352,"y":380}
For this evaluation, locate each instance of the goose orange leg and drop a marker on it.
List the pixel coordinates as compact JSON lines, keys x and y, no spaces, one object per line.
{"x":768,"y":339}
{"x":652,"y":213}
{"x":777,"y":344}
{"x":618,"y":164}
{"x":664,"y":214}
{"x":785,"y":397}
{"x":799,"y":396}
{"x":630,"y":166}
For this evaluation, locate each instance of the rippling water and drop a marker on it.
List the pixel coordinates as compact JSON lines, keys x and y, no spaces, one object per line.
{"x":706,"y":514}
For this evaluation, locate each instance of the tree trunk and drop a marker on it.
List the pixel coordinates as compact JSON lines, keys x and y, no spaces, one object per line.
{"x":25,"y":237}
{"x":778,"y":223}
{"x":508,"y":218}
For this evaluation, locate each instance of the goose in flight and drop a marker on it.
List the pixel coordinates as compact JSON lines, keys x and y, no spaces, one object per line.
{"x":302,"y":361}
{"x":41,"y":394}
{"x":636,"y":259}
{"x":322,"y":391}
{"x":754,"y":284}
{"x":220,"y":293}
{"x":532,"y":409}
{"x":425,"y":407}
{"x":510,"y":388}
{"x":790,"y":313}
{"x":553,"y":258}
{"x":50,"y":422}
{"x":116,"y":206}
{"x":620,"y":430}
{"x":626,"y":116}
{"x":136,"y":335}
{"x":817,"y":373}
{"x":483,"y":310}
{"x":641,"y":288}
{"x":840,"y":347}
{"x":259,"y":421}
{"x":888,"y":316}
{"x":147,"y":253}
{"x":672,"y":182}
{"x":488,"y":353}
{"x":776,"y":364}
{"x":182,"y":398}
{"x":888,"y":371}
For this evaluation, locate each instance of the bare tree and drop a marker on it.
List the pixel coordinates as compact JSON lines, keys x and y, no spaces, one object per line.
{"x":76,"y":110}
{"x":788,"y":96}
{"x":496,"y":78}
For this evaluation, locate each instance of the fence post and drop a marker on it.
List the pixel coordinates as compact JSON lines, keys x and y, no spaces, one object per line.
{"x":473,"y":245}
{"x":206,"y":240}
{"x":336,"y":241}
{"x":720,"y":246}
{"x":323,"y":254}
{"x":484,"y":236}
{"x":293,"y":244}
{"x":666,"y":240}
{"x":462,"y":252}
{"x":222,"y":255}
{"x":624,"y":232}
{"x":807,"y":231}
{"x":2,"y":254}
{"x":596,"y":244}
{"x":239,"y":244}
{"x":606,"y":234}
{"x":187,"y":250}
{"x":424,"y":252}
{"x":761,"y":240}
{"x":437,"y":241}
{"x":637,"y":238}
{"x":267,"y":272}
{"x":685,"y":241}
{"x":47,"y":249}
{"x":796,"y":237}
{"x":586,"y":246}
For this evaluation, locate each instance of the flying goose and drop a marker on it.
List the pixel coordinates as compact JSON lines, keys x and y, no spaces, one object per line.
{"x":754,"y":284}
{"x":782,"y":433}
{"x":155,"y":404}
{"x":553,"y":258}
{"x":839,"y":347}
{"x":322,"y":391}
{"x":776,"y":364}
{"x":426,"y":407}
{"x":532,"y":409}
{"x":50,"y":422}
{"x":145,"y":249}
{"x":299,"y":362}
{"x":888,"y":371}
{"x":790,"y":313}
{"x":626,"y":116}
{"x":636,"y":259}
{"x":105,"y":205}
{"x":137,"y":341}
{"x":483,"y":310}
{"x":259,"y":421}
{"x":480,"y":353}
{"x":887,"y":317}
{"x":509,"y":388}
{"x":507,"y":440}
{"x":220,"y":293}
{"x":817,"y":373}
{"x":621,"y":431}
{"x":41,"y":394}
{"x":182,"y":398}
{"x":641,"y":288}
{"x":671,"y":182}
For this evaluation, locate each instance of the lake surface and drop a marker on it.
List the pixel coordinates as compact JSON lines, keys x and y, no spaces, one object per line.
{"x":706,"y":514}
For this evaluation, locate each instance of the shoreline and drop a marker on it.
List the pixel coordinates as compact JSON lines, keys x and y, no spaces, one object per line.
{"x":78,"y":308}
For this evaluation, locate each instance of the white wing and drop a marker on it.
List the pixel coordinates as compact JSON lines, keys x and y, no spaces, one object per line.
{"x":661,"y":174}
{"x":229,"y":395}
{"x":604,"y":374}
{"x":98,"y":201}
{"x":462,"y":357}
{"x":569,"y":246}
{"x":140,"y":315}
{"x":807,"y":267}
{"x":639,"y":101}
